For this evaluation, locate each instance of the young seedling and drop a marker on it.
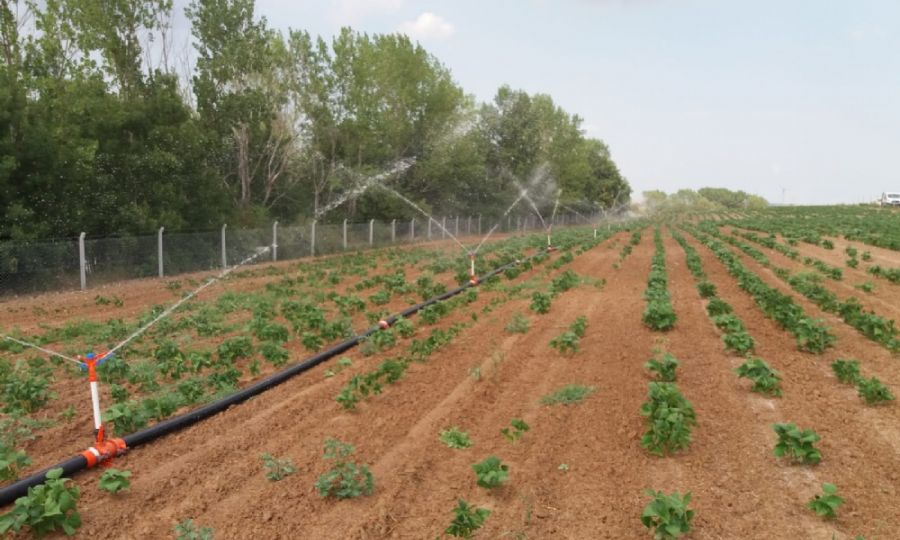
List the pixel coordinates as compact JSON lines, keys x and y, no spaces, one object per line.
{"x":346,"y":479}
{"x":826,"y":504}
{"x":765,"y":379}
{"x":277,"y":469}
{"x":670,"y":418}
{"x":455,"y":438}
{"x":466,"y":520}
{"x":667,"y":516}
{"x":797,"y":444}
{"x":663,"y":367}
{"x":114,"y":480}
{"x":491,"y":472}
{"x":517,"y":429}
{"x":873,"y":391}
{"x":847,"y":371}
{"x":46,"y":508}
{"x":540,"y":302}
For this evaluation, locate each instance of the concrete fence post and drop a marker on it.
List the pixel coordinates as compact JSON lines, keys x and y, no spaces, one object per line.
{"x":393,"y":230}
{"x":479,"y":224}
{"x":82,"y":263}
{"x":508,"y":223}
{"x":412,"y":230}
{"x":275,"y":241}
{"x":518,"y":223}
{"x":224,"y":254}
{"x":469,"y":225}
{"x":159,"y":251}
{"x":429,"y":227}
{"x":456,"y":227}
{"x":312,"y":239}
{"x":444,"y":227}
{"x":344,"y":229}
{"x":371,"y":232}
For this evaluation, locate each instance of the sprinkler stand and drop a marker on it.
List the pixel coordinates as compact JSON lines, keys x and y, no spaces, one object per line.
{"x":90,"y":362}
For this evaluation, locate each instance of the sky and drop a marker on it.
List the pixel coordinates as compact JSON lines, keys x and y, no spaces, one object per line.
{"x":797,"y":101}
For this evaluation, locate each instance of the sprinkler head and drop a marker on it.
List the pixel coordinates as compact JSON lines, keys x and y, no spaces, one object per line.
{"x":550,"y":248}
{"x":383,"y":324}
{"x":473,"y":281}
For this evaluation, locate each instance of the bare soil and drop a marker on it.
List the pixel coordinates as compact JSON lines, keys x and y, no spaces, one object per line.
{"x":211,"y":472}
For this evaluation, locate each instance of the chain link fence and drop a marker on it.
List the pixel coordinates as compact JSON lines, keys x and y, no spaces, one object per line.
{"x":85,"y":262}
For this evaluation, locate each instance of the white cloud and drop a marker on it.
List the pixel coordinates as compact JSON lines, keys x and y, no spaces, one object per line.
{"x":353,"y":11}
{"x":428,"y":26}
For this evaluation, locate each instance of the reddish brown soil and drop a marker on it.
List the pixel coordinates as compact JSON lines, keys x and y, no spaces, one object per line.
{"x":860,"y":444}
{"x":885,"y":301}
{"x":211,"y":472}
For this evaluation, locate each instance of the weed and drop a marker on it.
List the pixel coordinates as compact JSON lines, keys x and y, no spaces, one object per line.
{"x":114,"y":480}
{"x":797,"y":444}
{"x":455,"y":438}
{"x":519,"y":324}
{"x":568,"y":395}
{"x":11,"y":460}
{"x":667,"y":516}
{"x":517,"y":428}
{"x":276,"y":469}
{"x":346,"y":479}
{"x":826,"y":504}
{"x":188,"y":530}
{"x":491,"y":472}
{"x":466,"y":520}
{"x":565,"y":343}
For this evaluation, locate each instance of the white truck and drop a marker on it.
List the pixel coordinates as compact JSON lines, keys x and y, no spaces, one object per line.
{"x":890,"y":199}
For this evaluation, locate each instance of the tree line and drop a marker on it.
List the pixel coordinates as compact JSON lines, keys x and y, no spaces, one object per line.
{"x":105,"y":127}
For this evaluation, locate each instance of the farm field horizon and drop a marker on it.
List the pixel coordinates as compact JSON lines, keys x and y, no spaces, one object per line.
{"x":544,"y":366}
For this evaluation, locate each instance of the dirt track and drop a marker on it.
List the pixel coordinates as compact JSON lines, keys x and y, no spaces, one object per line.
{"x":212,"y":473}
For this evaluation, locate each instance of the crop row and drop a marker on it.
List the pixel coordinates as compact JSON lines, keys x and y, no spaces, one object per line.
{"x":659,"y":314}
{"x":811,"y":335}
{"x":868,"y":323}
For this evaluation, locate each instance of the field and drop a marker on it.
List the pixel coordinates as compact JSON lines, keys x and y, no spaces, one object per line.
{"x":756,"y":309}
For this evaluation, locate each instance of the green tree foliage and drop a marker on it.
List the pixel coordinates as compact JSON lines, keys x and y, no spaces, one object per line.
{"x":101,"y":134}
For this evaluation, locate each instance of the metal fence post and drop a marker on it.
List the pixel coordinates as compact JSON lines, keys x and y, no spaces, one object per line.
{"x":275,"y":241}
{"x":345,"y":234}
{"x":81,"y":261}
{"x":312,"y":239}
{"x":159,"y":250}
{"x":412,"y":229}
{"x":393,"y":230}
{"x":371,"y":232}
{"x":224,"y":254}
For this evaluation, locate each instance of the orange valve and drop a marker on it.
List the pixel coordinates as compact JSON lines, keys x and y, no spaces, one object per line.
{"x":383,"y":324}
{"x":104,"y":452}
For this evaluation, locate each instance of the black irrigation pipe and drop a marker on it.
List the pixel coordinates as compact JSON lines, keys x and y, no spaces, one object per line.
{"x":10,"y":493}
